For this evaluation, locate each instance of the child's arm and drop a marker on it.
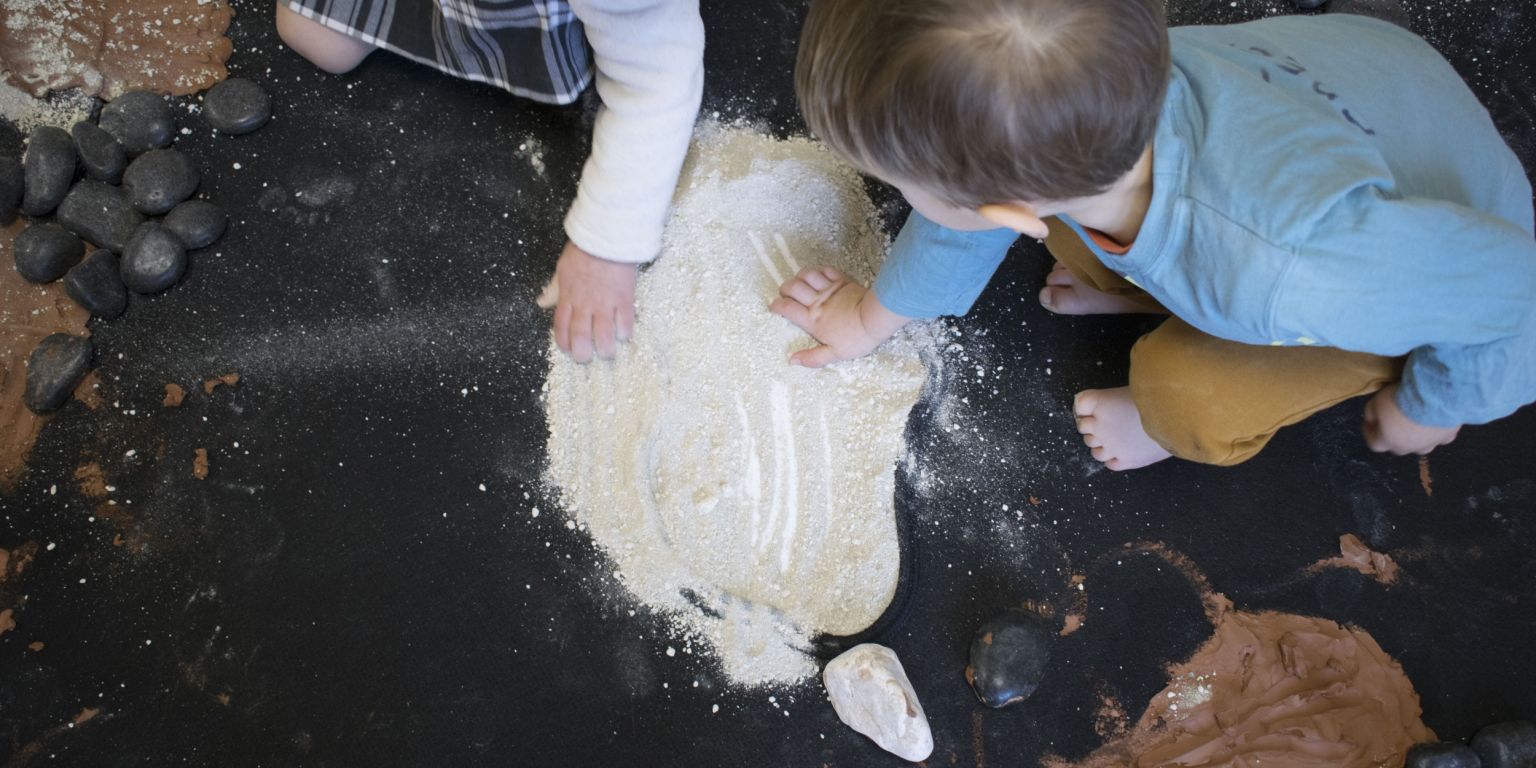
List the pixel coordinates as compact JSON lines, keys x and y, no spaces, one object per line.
{"x":930,"y":271}
{"x":1455,"y":294}
{"x":650,"y":75}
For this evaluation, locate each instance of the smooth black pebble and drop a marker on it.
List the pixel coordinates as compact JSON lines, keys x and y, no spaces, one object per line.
{"x":100,"y":154}
{"x":48,"y":170}
{"x":1009,"y":656}
{"x":140,"y":120}
{"x":197,"y":222}
{"x":159,"y":179}
{"x":1507,"y":745}
{"x":54,"y":368}
{"x":44,"y":252}
{"x":154,"y":259}
{"x":97,"y":285}
{"x":10,"y":188}
{"x":100,"y":213}
{"x":1441,"y":754}
{"x":237,"y":106}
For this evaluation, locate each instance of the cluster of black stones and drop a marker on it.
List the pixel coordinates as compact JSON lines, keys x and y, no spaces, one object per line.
{"x":110,"y":210}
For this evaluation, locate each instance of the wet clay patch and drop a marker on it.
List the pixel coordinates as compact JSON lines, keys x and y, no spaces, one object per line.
{"x":27,"y":314}
{"x":106,"y":47}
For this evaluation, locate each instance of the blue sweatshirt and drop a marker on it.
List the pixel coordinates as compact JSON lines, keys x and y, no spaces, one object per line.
{"x":1324,"y":180}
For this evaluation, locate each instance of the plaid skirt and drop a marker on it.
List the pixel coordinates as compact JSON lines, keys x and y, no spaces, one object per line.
{"x":532,"y":48}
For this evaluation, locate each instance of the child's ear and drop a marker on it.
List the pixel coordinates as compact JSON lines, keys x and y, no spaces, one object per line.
{"x":1018,"y":217}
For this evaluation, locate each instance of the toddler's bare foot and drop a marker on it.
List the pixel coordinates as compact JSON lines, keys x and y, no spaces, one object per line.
{"x":1111,"y":426}
{"x":1064,"y":294}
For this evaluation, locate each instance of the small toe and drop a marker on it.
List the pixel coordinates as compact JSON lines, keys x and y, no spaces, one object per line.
{"x":1060,"y":276}
{"x":1086,"y":402}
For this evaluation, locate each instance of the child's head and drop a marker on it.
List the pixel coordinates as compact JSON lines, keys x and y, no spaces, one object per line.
{"x":967,"y":103}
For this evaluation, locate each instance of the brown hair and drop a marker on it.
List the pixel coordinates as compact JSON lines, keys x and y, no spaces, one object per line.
{"x":986,"y":101}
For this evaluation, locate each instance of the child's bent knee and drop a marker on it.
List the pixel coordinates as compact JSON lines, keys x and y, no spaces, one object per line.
{"x":1215,"y":401}
{"x":326,"y":48}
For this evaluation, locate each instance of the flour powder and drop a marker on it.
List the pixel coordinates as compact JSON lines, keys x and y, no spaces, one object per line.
{"x":748,"y":500}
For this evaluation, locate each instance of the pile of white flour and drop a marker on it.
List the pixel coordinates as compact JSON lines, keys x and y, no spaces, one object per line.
{"x":749,"y":500}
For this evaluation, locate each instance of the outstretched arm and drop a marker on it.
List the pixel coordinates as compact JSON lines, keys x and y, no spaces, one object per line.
{"x":649,"y":58}
{"x":930,"y":271}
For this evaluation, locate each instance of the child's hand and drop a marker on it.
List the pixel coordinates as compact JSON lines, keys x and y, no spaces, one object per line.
{"x":594,"y":302}
{"x":1387,"y":428}
{"x":844,"y":316}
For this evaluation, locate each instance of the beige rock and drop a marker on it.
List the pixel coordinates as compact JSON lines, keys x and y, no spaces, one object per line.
{"x":871,"y":694}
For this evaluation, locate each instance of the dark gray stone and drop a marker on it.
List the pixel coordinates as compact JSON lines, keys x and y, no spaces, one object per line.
{"x":1507,"y":745}
{"x":1442,"y":754}
{"x":10,"y":189}
{"x":100,"y":213}
{"x":44,"y":252}
{"x":197,"y":222}
{"x":237,"y":106}
{"x":48,"y":170}
{"x":1009,"y":656}
{"x":140,"y":120}
{"x":154,"y":259}
{"x":97,"y":285}
{"x":54,"y":368}
{"x":100,"y":154}
{"x":159,"y":179}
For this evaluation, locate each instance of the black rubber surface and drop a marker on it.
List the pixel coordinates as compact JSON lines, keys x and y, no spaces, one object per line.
{"x":340,"y":592}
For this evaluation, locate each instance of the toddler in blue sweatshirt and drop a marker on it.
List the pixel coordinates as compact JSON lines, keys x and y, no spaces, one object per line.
{"x":1320,"y":205}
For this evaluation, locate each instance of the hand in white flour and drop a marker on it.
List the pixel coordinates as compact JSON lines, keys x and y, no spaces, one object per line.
{"x":1388,"y":429}
{"x":843,"y":315}
{"x":594,"y":303}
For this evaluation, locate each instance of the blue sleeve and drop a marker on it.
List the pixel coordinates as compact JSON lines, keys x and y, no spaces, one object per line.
{"x":1450,"y":286}
{"x":932,"y":270}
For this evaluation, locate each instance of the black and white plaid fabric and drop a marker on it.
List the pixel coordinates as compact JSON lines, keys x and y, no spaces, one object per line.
{"x":532,"y":48}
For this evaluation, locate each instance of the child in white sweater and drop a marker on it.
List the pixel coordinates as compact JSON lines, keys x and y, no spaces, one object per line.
{"x":647,"y":58}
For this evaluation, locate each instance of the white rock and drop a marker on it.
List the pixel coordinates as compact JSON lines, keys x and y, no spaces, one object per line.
{"x":872,"y":695}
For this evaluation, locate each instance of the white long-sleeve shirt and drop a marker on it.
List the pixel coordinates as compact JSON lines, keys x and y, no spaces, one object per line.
{"x":649,"y":58}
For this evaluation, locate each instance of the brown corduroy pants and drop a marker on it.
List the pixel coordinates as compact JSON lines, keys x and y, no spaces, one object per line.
{"x":1216,"y":401}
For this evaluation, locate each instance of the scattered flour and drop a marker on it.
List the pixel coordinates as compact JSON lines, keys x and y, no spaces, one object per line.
{"x":748,"y":500}
{"x":532,"y":150}
{"x":61,"y":109}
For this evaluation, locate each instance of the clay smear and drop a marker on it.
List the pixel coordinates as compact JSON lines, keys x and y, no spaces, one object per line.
{"x":106,"y":47}
{"x":1277,"y":689}
{"x":1353,"y":553}
{"x":27,"y":314}
{"x":749,"y":500}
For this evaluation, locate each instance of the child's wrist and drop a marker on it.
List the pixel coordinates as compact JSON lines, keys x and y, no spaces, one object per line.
{"x":878,"y":322}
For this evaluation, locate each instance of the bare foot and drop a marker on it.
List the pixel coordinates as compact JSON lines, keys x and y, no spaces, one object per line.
{"x":1064,"y":294}
{"x":1111,"y":426}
